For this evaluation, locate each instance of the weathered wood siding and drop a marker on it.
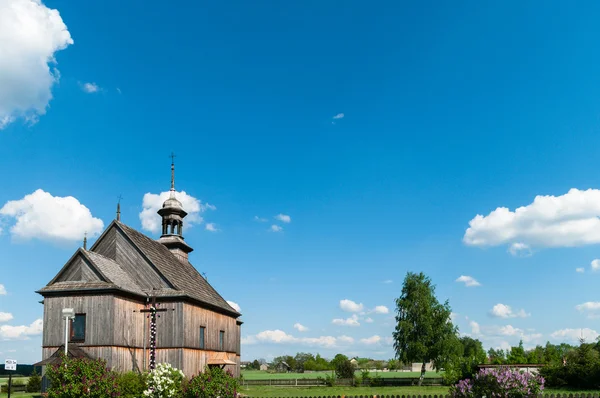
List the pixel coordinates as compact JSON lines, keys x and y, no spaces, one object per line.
{"x":99,"y":312}
{"x":195,"y":317}
{"x":79,"y":269}
{"x":195,"y":361}
{"x":129,"y":323}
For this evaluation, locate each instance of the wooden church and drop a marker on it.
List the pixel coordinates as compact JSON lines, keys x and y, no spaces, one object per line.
{"x":110,"y":287}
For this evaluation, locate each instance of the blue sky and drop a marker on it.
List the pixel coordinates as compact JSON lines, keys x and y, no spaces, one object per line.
{"x":382,"y":130}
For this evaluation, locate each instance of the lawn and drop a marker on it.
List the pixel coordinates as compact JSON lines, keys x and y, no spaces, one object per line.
{"x":262,"y":375}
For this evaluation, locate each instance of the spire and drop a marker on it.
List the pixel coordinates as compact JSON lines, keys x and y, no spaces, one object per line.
{"x":119,"y":208}
{"x":85,"y":241}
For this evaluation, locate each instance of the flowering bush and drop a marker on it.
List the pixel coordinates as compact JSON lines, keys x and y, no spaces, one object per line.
{"x":164,"y":381}
{"x":81,"y":377}
{"x":499,"y":383}
{"x":214,"y":382}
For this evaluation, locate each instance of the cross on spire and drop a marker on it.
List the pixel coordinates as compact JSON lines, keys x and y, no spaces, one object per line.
{"x":172,"y":172}
{"x":119,"y":207}
{"x":85,"y":240}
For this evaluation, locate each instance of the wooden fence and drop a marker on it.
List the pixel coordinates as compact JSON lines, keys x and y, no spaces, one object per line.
{"x":582,"y":395}
{"x":379,"y":382}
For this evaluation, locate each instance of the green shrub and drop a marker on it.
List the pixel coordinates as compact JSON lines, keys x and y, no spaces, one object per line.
{"x":131,"y":384}
{"x":34,"y":384}
{"x":499,"y":383}
{"x":81,"y":377}
{"x":214,"y":382}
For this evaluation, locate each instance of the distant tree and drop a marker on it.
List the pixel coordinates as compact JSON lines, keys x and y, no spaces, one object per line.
{"x":255,"y":364}
{"x":393,"y":364}
{"x":517,"y":355}
{"x":424,"y":331}
{"x":34,"y":384}
{"x":344,"y":368}
{"x":466,"y":364}
{"x":338,"y":359}
{"x":496,"y":356}
{"x":301,"y":359}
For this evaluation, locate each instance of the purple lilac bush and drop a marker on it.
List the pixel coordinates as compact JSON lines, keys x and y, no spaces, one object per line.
{"x":504,"y":382}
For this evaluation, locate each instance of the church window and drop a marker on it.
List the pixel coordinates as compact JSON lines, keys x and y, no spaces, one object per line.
{"x":78,"y":328}
{"x":221,"y":340}
{"x":202,"y":333}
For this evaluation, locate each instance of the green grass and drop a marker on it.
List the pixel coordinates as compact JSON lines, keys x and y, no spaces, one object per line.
{"x":262,"y":375}
{"x":21,"y":394}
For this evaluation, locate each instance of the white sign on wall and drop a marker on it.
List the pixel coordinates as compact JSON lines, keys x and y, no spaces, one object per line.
{"x":10,"y":364}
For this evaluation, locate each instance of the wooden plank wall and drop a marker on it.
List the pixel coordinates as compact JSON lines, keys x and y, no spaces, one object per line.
{"x":79,"y":270}
{"x":99,"y":312}
{"x":194,"y":317}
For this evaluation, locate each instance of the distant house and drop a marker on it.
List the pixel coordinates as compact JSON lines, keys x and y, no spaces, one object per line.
{"x":283,"y":367}
{"x":416,"y":367}
{"x":354,"y":362}
{"x":264,"y":367}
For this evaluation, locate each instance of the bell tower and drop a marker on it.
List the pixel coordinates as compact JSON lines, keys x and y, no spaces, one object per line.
{"x":172,"y":215}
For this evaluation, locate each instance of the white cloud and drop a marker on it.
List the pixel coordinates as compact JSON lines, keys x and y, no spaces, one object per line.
{"x":90,"y":88}
{"x":276,"y":228}
{"x":212,"y":227}
{"x":280,"y":337}
{"x":301,"y":328}
{"x":369,"y":320}
{"x":381,"y":309}
{"x":260,"y":219}
{"x":510,"y":330}
{"x":350,"y":306}
{"x":595,"y":265}
{"x":2,"y":290}
{"x":338,"y":116}
{"x":8,"y":332}
{"x":234,"y":305}
{"x":5,"y":316}
{"x":475,"y":328}
{"x":581,"y":270}
{"x":504,"y":311}
{"x":568,"y":220}
{"x":352,"y":321}
{"x":388,"y":281}
{"x":30,"y":35}
{"x":469,"y":281}
{"x":53,"y":218}
{"x":283,"y":218}
{"x":573,"y":335}
{"x":591,"y":308}
{"x":520,"y":249}
{"x":151,"y":203}
{"x":371,"y":340}
{"x":345,"y":340}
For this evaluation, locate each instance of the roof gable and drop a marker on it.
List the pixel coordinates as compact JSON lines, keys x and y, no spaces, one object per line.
{"x":79,"y":269}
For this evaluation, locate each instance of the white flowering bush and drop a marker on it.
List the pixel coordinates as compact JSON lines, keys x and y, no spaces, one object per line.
{"x":164,"y":381}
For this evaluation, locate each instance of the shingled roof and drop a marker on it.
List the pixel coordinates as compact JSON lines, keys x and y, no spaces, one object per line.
{"x":185,"y":280}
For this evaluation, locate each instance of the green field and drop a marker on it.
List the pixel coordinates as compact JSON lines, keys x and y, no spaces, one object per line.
{"x":262,"y":375}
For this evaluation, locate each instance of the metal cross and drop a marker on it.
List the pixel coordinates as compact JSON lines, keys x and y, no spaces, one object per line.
{"x":172,"y":158}
{"x":119,"y":197}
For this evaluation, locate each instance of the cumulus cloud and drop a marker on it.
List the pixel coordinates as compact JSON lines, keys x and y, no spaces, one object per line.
{"x":504,"y":311}
{"x":568,"y":220}
{"x":52,"y":218}
{"x":469,"y":281}
{"x":280,"y":337}
{"x":234,"y":305}
{"x":283,"y":218}
{"x":520,"y":249}
{"x":5,"y":316}
{"x":352,"y":321}
{"x":90,"y":88}
{"x":338,"y":116}
{"x":8,"y":332}
{"x":151,"y":203}
{"x":371,"y":340}
{"x":475,"y":328}
{"x":369,"y":320}
{"x":301,"y":328}
{"x":212,"y":227}
{"x":351,"y":306}
{"x":2,"y":290}
{"x":591,"y":308}
{"x":573,"y":335}
{"x":595,"y":265}
{"x":381,"y":309}
{"x":276,"y":228}
{"x":30,"y":36}
{"x":260,"y":219}
{"x":581,"y":270}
